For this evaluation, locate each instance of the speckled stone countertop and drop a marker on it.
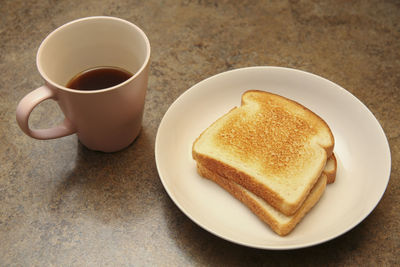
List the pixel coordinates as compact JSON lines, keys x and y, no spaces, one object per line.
{"x":64,"y":205}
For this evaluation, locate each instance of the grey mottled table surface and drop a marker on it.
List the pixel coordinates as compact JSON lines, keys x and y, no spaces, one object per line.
{"x":64,"y":205}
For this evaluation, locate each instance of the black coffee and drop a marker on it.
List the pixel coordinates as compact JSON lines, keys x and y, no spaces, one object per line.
{"x":98,"y":78}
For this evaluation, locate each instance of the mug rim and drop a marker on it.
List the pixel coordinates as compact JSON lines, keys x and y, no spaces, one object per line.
{"x":137,"y":73}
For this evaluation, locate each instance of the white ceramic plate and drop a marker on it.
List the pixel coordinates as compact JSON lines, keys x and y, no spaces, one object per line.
{"x":361,"y":149}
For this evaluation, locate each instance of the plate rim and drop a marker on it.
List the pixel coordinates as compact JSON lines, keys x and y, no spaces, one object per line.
{"x":276,"y":247}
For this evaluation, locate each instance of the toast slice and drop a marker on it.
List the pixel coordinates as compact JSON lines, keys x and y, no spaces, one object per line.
{"x":272,"y":146}
{"x":277,"y":221}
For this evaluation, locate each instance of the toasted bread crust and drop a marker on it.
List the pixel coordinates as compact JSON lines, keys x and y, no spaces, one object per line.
{"x":277,"y":137}
{"x":282,"y":228}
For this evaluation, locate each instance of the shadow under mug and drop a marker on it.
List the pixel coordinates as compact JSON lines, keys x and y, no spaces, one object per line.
{"x":107,"y":119}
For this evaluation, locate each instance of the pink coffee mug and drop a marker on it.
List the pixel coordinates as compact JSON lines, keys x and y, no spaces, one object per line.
{"x":107,"y":119}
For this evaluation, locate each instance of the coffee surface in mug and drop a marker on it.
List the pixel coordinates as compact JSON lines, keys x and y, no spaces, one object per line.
{"x":98,"y":78}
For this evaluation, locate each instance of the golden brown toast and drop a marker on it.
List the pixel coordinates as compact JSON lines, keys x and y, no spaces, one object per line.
{"x":272,"y":146}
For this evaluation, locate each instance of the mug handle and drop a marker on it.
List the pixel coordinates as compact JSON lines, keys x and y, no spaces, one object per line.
{"x":28,"y":103}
